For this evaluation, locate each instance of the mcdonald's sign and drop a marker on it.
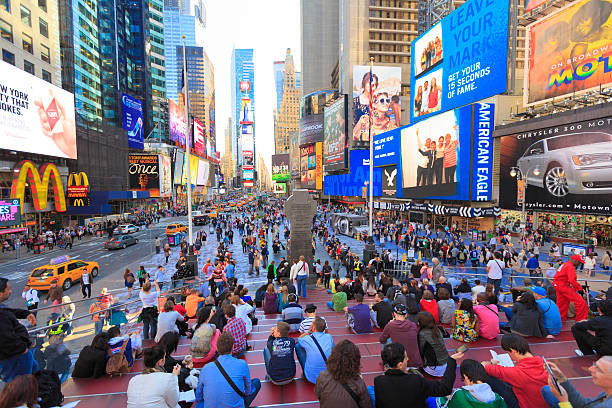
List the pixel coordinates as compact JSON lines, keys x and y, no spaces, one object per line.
{"x":39,"y":186}
{"x":78,"y":189}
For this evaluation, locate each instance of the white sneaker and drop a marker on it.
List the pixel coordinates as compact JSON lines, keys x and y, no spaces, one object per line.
{"x":579,"y":353}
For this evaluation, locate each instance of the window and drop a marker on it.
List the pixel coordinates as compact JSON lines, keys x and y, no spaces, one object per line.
{"x":61,"y":270}
{"x":28,"y":67}
{"x":26,"y":16}
{"x":26,"y":41}
{"x":8,"y":57}
{"x":42,"y":4}
{"x":46,"y":75}
{"x":6,"y":5}
{"x":44,"y":27}
{"x":44,"y":54}
{"x":6,"y":31}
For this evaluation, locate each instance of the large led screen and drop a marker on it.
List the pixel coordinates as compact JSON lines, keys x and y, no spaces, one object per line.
{"x":144,"y":174}
{"x":460,"y":60}
{"x":132,"y":121}
{"x":176,"y":119}
{"x":179,"y":157}
{"x":383,"y":90}
{"x":566,"y":168}
{"x":35,"y":116}
{"x":280,"y":167}
{"x":165,"y":176}
{"x":335,"y":142}
{"x":569,"y":51}
{"x":352,"y":183}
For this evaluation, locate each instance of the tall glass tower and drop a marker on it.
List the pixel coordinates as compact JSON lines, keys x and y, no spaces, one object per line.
{"x":242,"y":70}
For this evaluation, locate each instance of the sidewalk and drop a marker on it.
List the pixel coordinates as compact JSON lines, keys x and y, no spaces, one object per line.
{"x":23,"y":253}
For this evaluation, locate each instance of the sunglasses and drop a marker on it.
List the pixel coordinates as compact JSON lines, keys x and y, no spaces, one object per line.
{"x":384,"y":100}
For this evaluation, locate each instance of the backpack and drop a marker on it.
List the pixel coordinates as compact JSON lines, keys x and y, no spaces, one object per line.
{"x":117,"y":364}
{"x":49,"y":389}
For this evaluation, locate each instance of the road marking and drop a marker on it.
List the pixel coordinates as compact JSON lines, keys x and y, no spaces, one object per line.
{"x":104,"y":256}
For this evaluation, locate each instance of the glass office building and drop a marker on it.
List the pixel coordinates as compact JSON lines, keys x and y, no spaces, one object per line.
{"x":242,"y":69}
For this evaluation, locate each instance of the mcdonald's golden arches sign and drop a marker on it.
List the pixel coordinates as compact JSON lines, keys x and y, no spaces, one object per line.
{"x":24,"y":171}
{"x":78,"y":189}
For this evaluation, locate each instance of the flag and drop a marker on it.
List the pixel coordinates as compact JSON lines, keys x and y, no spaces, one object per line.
{"x":183,"y":90}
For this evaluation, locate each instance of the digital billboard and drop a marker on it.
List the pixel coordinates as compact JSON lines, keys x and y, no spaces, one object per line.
{"x":178,"y":166}
{"x":246,"y":112}
{"x":10,"y":213}
{"x":176,"y":122}
{"x":482,"y":155}
{"x":460,"y":60}
{"x":247,"y":174}
{"x":335,"y":142}
{"x":385,"y":95}
{"x":143,"y":170}
{"x":565,"y":168}
{"x":193,"y":169}
{"x":165,"y":176}
{"x":308,"y":166}
{"x":311,"y":129}
{"x":247,"y":158}
{"x":132,"y":121}
{"x":35,"y":116}
{"x":203,"y":173}
{"x":352,"y":184}
{"x":199,"y":142}
{"x":568,"y":51}
{"x":280,"y":167}
{"x":387,"y":147}
{"x":389,"y":181}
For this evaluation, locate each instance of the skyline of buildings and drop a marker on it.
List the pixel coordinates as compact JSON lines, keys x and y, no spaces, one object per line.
{"x":287,"y":117}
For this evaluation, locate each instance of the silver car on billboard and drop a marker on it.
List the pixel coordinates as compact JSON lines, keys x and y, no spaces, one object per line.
{"x":577,"y":163}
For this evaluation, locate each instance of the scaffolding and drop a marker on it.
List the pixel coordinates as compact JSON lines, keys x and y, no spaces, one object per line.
{"x":431,"y":12}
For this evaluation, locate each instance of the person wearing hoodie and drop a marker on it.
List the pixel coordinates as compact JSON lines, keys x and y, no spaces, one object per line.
{"x":520,"y":385}
{"x":476,"y":393}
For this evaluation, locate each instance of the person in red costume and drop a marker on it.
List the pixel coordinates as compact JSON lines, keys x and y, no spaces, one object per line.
{"x":566,"y":285}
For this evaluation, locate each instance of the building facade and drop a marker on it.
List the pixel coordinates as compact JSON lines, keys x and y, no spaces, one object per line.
{"x":242,"y":70}
{"x":287,"y":117}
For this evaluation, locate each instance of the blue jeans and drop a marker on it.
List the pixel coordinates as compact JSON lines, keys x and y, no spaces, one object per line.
{"x":496,"y":284}
{"x":17,"y":365}
{"x":373,"y":317}
{"x":389,"y":341}
{"x":149,"y":328}
{"x":301,"y":285}
{"x":255,"y":387}
{"x":549,"y":397}
{"x":98,"y":326}
{"x":330,"y":304}
{"x":300,"y":352}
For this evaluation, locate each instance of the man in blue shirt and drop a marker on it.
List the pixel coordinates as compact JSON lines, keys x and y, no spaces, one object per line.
{"x":278,"y":354}
{"x":311,"y":358}
{"x":550,"y":312}
{"x":532,"y":264}
{"x":214,"y":391}
{"x":159,"y":276}
{"x":359,"y":316}
{"x":229,"y":271}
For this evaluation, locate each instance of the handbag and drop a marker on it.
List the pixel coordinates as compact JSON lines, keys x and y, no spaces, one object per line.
{"x":231,"y":383}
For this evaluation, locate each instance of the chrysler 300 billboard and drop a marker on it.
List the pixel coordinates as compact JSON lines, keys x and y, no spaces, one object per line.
{"x":564,"y":168}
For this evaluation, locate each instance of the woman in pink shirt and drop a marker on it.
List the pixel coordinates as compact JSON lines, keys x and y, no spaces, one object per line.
{"x":434,"y":93}
{"x":488,"y":317}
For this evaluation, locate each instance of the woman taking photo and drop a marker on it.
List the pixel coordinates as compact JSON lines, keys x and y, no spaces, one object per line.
{"x":154,"y":387}
{"x":149,"y":310}
{"x":341,"y":385}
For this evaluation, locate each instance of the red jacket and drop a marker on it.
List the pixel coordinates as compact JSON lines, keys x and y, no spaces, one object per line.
{"x":566,"y":277}
{"x":527,"y":378}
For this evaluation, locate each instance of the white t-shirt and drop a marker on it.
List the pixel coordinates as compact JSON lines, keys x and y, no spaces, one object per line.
{"x":495,"y":269}
{"x":148,"y":299}
{"x":85,"y":278}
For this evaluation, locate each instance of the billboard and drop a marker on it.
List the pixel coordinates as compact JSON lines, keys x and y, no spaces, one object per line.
{"x":568,"y":51}
{"x":132,"y":121}
{"x":35,"y":116}
{"x":531,"y":4}
{"x":193,"y":169}
{"x":389,"y":181}
{"x":335,"y":142}
{"x":352,"y":184}
{"x":482,"y":156}
{"x":308,"y":166}
{"x":178,"y":166}
{"x":246,"y":112}
{"x":10,"y":213}
{"x":247,"y":157}
{"x":143,"y":170}
{"x":165,"y":176}
{"x":387,"y":147}
{"x":385,"y":95}
{"x":460,"y":60}
{"x":77,"y":190}
{"x":203,"y":172}
{"x":280,"y":167}
{"x":319,"y":165}
{"x":176,"y":122}
{"x":247,"y":174}
{"x":311,"y":129}
{"x":199,"y":140}
{"x":566,"y":168}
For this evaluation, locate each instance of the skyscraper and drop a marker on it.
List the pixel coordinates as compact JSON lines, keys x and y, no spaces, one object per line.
{"x":242,"y":71}
{"x":287,"y":118}
{"x":157,"y":69}
{"x":279,"y":71}
{"x":200,"y":81}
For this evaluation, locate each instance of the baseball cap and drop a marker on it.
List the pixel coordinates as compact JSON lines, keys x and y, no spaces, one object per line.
{"x":399,"y":308}
{"x":577,"y":257}
{"x":538,"y":290}
{"x":310,"y":308}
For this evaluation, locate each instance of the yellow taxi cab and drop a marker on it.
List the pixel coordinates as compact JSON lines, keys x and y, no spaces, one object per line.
{"x":172,"y":229}
{"x":63,"y":269}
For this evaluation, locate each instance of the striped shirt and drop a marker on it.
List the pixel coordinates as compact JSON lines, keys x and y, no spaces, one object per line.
{"x":305,"y":325}
{"x":450,"y":154}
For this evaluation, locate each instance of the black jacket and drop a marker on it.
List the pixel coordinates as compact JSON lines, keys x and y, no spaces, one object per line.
{"x":91,"y":363}
{"x":14,"y":338}
{"x":392,"y":388}
{"x":602,"y":326}
{"x":527,"y":322}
